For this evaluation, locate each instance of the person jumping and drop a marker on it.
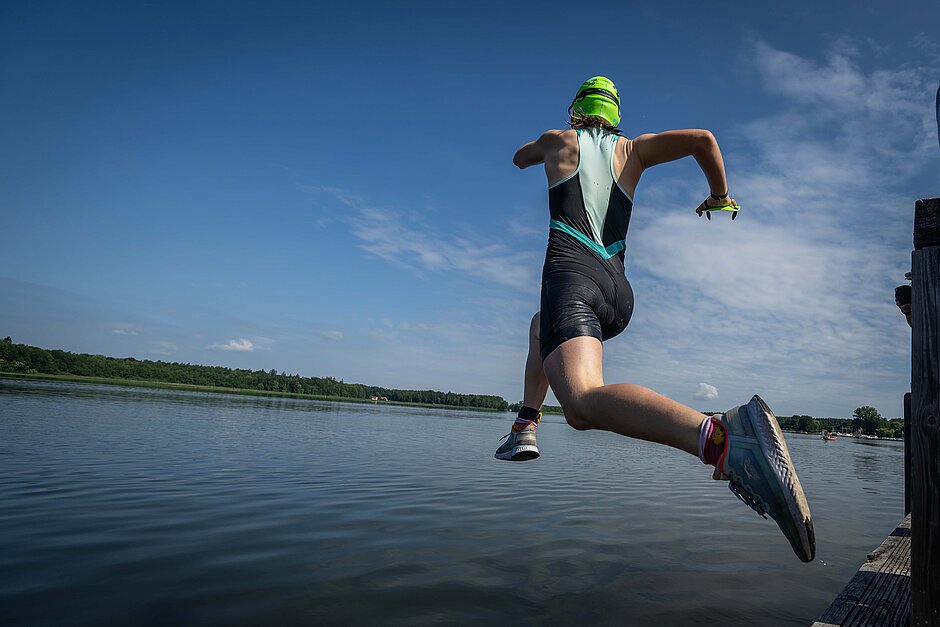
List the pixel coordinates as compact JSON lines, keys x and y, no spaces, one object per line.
{"x":592,"y":173}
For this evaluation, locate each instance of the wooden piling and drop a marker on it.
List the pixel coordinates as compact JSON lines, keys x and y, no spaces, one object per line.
{"x":907,"y":454}
{"x":925,"y":415}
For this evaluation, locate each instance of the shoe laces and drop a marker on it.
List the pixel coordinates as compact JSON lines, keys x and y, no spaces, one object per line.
{"x":532,"y":423}
{"x":746,"y":493}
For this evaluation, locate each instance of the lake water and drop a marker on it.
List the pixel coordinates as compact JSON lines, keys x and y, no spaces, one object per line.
{"x":128,"y":506}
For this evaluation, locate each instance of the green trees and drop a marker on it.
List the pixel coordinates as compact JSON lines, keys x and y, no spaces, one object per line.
{"x":22,"y":358}
{"x":868,"y":420}
{"x":805,"y":423}
{"x":808,"y":424}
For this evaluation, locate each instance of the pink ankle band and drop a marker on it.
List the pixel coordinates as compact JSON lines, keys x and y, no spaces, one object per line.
{"x":703,"y":433}
{"x":710,"y":450}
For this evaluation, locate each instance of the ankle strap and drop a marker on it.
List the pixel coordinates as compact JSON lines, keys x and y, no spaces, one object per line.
{"x":528,"y":413}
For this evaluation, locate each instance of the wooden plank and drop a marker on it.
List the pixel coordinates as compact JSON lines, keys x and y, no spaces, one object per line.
{"x":888,"y":599}
{"x":879,"y":593}
{"x":925,"y":415}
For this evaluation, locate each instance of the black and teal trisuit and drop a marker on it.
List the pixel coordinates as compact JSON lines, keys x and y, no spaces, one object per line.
{"x":584,"y":290}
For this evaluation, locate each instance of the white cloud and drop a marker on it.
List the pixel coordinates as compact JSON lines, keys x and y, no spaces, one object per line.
{"x":526,"y":229}
{"x":794,"y":298}
{"x":163,"y":347}
{"x":124,"y":332}
{"x":242,"y":345}
{"x":406,"y":239}
{"x":845,"y":118}
{"x":706,"y":392}
{"x":334,"y":335}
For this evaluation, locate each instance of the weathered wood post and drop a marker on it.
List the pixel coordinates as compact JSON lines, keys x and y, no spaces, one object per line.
{"x":907,"y":453}
{"x":925,"y":415}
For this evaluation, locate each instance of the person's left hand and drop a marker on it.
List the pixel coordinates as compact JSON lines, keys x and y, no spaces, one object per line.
{"x":710,"y":203}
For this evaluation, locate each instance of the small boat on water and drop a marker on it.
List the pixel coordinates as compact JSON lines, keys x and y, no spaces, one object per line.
{"x":829,"y":437}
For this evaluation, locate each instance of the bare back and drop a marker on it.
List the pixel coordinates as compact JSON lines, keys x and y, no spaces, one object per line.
{"x":559,"y":152}
{"x":561,"y":159}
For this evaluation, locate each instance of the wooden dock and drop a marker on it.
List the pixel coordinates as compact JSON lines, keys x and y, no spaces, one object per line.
{"x":900,"y":582}
{"x":880,"y":592}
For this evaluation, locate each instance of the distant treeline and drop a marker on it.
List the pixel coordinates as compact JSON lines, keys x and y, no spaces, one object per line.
{"x":22,"y":358}
{"x":866,"y":420}
{"x":26,"y":359}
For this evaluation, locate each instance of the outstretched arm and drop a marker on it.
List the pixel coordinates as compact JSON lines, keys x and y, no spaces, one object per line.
{"x":653,"y":149}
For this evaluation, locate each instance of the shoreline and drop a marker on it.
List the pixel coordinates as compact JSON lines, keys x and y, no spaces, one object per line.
{"x":188,"y":387}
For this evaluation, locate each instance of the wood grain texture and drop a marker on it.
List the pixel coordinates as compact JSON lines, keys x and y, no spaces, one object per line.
{"x":880,"y":592}
{"x":925,"y":418}
{"x":926,"y":223}
{"x":907,"y":453}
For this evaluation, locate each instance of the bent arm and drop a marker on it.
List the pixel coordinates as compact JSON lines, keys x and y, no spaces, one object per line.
{"x":533,"y":153}
{"x":528,"y":155}
{"x":653,"y":149}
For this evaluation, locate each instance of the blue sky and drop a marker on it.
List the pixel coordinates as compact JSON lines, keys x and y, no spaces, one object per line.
{"x":327,"y":188}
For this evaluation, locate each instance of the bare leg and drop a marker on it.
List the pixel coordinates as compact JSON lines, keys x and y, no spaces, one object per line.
{"x":575,"y":373}
{"x":520,"y":444}
{"x":536,"y":384}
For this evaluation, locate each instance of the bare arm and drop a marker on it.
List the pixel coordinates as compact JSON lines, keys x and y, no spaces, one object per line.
{"x":653,"y":149}
{"x":534,"y":153}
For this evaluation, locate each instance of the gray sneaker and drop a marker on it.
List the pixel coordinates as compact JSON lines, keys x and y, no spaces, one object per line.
{"x":519,"y":446}
{"x":757,"y":464}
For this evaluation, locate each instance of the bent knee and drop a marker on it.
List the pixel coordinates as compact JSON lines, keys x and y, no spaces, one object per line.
{"x":576,"y":415}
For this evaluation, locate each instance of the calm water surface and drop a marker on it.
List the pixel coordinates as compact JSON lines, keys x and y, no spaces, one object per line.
{"x":152,"y":507}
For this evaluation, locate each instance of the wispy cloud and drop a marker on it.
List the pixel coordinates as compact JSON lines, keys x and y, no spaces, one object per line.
{"x":794,"y":298}
{"x":928,"y":45}
{"x":242,"y":345}
{"x":261,"y":342}
{"x":406,"y":239}
{"x":120,"y":331}
{"x":163,"y":347}
{"x":334,"y":335}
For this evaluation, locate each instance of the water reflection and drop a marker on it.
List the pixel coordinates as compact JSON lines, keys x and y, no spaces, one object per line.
{"x":135,"y":394}
{"x":148,"y":506}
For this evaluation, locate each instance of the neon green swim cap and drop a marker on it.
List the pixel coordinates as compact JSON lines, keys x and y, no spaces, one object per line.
{"x":597,"y":96}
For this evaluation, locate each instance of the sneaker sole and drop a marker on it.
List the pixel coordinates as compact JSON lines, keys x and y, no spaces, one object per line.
{"x":521,"y":453}
{"x":774,"y":446}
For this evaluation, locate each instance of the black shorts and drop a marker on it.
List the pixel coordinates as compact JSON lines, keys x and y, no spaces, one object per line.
{"x":588,"y":299}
